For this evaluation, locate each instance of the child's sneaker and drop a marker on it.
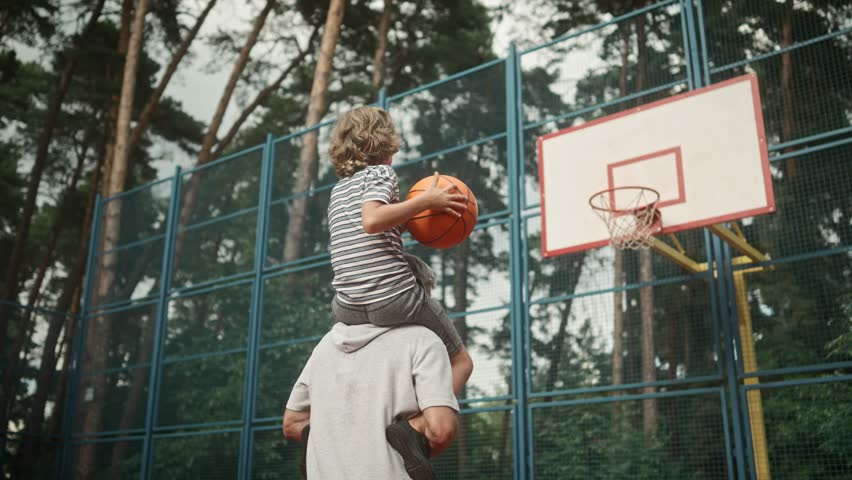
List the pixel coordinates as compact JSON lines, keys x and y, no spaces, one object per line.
{"x":303,"y":464}
{"x":413,"y":447}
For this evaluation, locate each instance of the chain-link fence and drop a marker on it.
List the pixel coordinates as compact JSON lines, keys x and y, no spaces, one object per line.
{"x":207,"y":291}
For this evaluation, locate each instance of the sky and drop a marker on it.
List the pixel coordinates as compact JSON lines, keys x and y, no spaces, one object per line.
{"x":201,"y":77}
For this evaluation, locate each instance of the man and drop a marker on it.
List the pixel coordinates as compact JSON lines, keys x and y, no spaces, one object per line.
{"x":358,"y":380}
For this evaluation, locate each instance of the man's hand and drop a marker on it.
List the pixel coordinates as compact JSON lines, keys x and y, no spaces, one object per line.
{"x":294,"y":422}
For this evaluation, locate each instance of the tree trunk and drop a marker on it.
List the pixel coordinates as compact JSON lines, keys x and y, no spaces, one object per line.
{"x":381,"y":47}
{"x":136,"y":393}
{"x":11,"y":376}
{"x":149,"y":111}
{"x":307,"y":169}
{"x":649,"y":368}
{"x":618,"y":260}
{"x":646,"y":265}
{"x":242,"y":60}
{"x":204,"y":153}
{"x":112,"y":115}
{"x":30,"y":451}
{"x":16,"y":256}
{"x":788,"y":125}
{"x":67,"y":340}
{"x":112,"y":226}
{"x":618,"y":321}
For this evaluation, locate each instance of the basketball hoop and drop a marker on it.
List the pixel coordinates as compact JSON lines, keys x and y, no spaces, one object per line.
{"x":630,"y":214}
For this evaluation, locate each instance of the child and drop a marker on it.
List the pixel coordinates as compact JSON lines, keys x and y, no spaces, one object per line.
{"x":374,"y":282}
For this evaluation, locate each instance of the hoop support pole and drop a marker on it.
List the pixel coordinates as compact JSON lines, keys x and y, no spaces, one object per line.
{"x":677,"y":243}
{"x":737,"y":242}
{"x":677,"y":257}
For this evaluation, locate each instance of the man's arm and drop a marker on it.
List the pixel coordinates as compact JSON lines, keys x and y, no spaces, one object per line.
{"x":297,"y":413}
{"x":294,"y":422}
{"x":433,"y":384}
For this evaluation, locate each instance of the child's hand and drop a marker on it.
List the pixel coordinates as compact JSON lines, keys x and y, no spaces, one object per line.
{"x":441,"y":198}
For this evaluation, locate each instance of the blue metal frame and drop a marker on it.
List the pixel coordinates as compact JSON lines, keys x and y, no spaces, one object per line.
{"x":41,"y":310}
{"x":220,"y":161}
{"x":812,"y":149}
{"x":781,"y":51}
{"x":250,"y":383}
{"x":626,"y":398}
{"x":154,"y":380}
{"x":614,"y":20}
{"x":796,"y":370}
{"x":131,"y":191}
{"x":519,"y":383}
{"x":81,"y":327}
{"x":727,"y":319}
{"x":799,"y":382}
{"x":626,"y":386}
{"x":447,"y":79}
{"x":129,"y":245}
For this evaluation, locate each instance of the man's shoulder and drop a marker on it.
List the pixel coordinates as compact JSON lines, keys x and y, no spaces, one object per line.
{"x":415,"y":335}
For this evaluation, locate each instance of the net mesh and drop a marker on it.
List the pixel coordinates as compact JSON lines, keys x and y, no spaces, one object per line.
{"x":630,"y":215}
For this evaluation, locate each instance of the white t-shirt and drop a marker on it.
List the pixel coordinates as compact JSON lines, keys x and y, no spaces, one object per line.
{"x":357,"y":380}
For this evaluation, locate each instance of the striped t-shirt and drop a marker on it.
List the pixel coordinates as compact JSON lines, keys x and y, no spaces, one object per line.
{"x":367,"y":268}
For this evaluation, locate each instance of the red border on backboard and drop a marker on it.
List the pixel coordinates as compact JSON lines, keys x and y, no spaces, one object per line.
{"x":764,"y":154}
{"x":659,"y":153}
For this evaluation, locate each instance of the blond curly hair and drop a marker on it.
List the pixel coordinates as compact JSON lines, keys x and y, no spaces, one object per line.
{"x":363,"y":136}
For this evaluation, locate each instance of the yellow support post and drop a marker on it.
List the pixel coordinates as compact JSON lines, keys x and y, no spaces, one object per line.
{"x":750,"y":255}
{"x":738,"y":242}
{"x":755,"y":403}
{"x":677,"y":257}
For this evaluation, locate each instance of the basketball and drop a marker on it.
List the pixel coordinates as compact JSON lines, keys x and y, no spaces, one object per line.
{"x":440,"y":229}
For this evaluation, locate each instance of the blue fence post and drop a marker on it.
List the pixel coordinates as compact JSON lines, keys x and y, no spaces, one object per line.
{"x":685,"y":28}
{"x":704,"y":58}
{"x":159,"y":332}
{"x":724,"y":300}
{"x":513,"y":131}
{"x":252,"y":366}
{"x":735,"y":343}
{"x":383,"y":98}
{"x":691,"y":44}
{"x":81,"y":326}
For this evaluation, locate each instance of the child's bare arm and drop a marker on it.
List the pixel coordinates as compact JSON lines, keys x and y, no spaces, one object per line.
{"x":377,"y":216}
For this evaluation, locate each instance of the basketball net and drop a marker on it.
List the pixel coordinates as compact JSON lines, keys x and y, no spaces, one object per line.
{"x":634,"y":220}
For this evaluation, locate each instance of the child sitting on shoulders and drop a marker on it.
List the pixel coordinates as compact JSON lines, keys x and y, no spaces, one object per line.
{"x":373,"y":281}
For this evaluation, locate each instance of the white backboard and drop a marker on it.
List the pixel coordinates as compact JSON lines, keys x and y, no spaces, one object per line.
{"x":704,"y":151}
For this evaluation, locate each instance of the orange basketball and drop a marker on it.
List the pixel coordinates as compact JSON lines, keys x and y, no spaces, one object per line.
{"x":441,"y":229}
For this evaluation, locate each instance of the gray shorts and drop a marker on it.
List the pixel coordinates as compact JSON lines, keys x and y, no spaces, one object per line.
{"x":410,"y":307}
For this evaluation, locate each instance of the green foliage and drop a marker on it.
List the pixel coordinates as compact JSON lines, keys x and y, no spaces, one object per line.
{"x":808,"y":431}
{"x":28,"y":21}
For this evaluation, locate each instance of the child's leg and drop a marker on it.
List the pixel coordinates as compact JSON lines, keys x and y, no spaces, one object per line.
{"x":349,"y":314}
{"x":414,"y":307}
